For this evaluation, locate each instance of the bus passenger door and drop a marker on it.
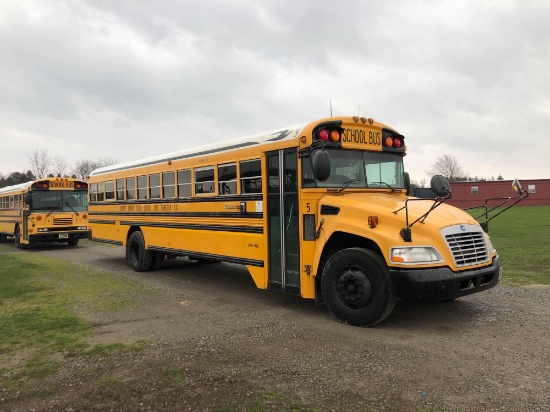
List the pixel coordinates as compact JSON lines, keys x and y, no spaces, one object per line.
{"x":283,"y":233}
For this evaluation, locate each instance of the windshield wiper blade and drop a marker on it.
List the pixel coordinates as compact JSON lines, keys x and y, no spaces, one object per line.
{"x":346,"y":184}
{"x":384,"y":183}
{"x":72,"y":208}
{"x":54,"y":209}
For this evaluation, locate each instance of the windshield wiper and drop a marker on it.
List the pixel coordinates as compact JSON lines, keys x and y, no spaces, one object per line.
{"x":72,"y":208}
{"x":384,"y":183}
{"x":347,"y":183}
{"x":54,"y":209}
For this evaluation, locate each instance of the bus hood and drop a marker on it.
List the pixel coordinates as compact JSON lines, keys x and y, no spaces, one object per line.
{"x":391,"y":212}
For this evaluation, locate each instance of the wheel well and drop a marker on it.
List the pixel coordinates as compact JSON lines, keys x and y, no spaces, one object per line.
{"x":337,"y":242}
{"x":132,"y":230}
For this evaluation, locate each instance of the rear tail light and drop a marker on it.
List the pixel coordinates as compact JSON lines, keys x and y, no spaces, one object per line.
{"x":333,"y":135}
{"x":393,"y":141}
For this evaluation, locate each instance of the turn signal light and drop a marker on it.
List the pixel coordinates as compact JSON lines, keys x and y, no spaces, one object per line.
{"x":334,"y":135}
{"x":84,"y":216}
{"x":388,"y":142}
{"x":373,"y":221}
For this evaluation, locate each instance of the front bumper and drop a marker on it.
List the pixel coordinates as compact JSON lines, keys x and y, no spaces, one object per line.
{"x":54,"y":237}
{"x":440,"y":284}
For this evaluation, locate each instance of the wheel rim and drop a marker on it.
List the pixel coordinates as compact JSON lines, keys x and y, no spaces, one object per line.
{"x":135,"y":253}
{"x":354,"y":288}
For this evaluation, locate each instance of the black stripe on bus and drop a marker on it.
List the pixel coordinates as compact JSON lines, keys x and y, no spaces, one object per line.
{"x":230,"y":259}
{"x":185,"y":156}
{"x":219,"y":228}
{"x":247,"y":215}
{"x":238,"y":198}
{"x":112,"y":242}
{"x":102,"y":222}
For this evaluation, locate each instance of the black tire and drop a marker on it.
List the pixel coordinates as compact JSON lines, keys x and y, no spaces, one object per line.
{"x":3,"y":238}
{"x":137,"y":257}
{"x":357,"y":288}
{"x":156,"y":260}
{"x":17,"y":237}
{"x":73,"y":242}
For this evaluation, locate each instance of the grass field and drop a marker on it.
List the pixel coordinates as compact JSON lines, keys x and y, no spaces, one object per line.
{"x":521,"y":236}
{"x":37,"y":317}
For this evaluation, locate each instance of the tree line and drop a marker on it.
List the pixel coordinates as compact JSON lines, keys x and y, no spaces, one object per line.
{"x":42,"y":165}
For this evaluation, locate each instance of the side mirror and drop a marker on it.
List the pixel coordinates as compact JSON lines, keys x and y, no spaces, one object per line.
{"x":407,"y":179}
{"x":440,"y":186}
{"x":28,"y":199}
{"x":321,"y":165}
{"x":516,"y":185}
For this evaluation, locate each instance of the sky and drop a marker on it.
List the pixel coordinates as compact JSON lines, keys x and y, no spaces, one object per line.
{"x":134,"y":79}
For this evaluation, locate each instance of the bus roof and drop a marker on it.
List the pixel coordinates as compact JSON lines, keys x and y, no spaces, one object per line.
{"x":281,"y":134}
{"x":18,"y":187}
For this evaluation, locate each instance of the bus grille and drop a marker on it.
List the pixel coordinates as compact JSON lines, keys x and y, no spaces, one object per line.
{"x":468,"y":248}
{"x":57,"y":221}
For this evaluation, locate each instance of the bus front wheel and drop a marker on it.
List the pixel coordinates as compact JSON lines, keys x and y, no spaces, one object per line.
{"x":18,"y":236}
{"x":356,"y":287}
{"x":137,"y":257}
{"x":73,"y":242}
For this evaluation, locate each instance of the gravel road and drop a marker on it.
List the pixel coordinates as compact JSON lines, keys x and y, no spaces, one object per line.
{"x":217,"y":342}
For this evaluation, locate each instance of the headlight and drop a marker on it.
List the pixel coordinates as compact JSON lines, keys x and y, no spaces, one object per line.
{"x":416,"y":254}
{"x":81,"y":228}
{"x":490,"y":245}
{"x":42,"y":229}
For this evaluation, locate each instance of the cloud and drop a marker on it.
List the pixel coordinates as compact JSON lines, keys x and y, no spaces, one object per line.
{"x":130,"y":80}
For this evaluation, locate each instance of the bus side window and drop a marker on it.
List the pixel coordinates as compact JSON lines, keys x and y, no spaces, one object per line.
{"x":184,"y":183}
{"x":227,"y":179}
{"x":204,"y":180}
{"x":130,"y":188}
{"x":154,"y":186}
{"x":142,"y":187}
{"x":100,"y":191}
{"x":168,"y":182}
{"x":110,"y":190}
{"x":93,"y":192}
{"x":251,"y":176}
{"x":120,"y":189}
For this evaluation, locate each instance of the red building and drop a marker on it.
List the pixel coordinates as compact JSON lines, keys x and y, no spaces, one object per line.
{"x":471,"y":194}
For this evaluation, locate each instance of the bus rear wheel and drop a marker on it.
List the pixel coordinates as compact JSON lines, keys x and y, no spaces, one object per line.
{"x":357,"y":288}
{"x":18,"y":236}
{"x":3,"y":238}
{"x":137,"y":257}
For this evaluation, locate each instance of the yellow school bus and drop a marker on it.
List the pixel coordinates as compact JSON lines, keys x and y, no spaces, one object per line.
{"x":45,"y":210}
{"x":320,"y":210}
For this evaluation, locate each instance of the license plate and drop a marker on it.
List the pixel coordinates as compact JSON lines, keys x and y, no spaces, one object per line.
{"x":63,"y":236}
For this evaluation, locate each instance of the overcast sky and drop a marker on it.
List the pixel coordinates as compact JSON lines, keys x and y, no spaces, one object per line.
{"x":133,"y":79}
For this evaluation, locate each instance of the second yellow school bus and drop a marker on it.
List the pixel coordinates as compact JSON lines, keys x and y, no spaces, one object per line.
{"x":319,"y":210}
{"x":49,"y":210}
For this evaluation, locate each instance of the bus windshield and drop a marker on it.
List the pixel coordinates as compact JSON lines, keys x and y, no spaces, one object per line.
{"x":60,"y":201}
{"x":359,"y":169}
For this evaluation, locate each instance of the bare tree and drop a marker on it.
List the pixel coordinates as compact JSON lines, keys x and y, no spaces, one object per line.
{"x":84,"y":167}
{"x":40,"y":163}
{"x":59,"y":167}
{"x":448,"y":166}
